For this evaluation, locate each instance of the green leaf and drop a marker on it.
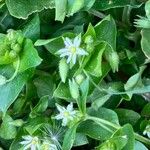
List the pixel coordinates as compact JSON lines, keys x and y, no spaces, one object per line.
{"x":134,"y":80}
{"x":107,"y":4}
{"x":100,"y":101}
{"x":36,"y":123}
{"x":45,"y":85}
{"x":16,"y":142}
{"x":145,"y":42}
{"x":84,"y":87}
{"x":31,"y":29}
{"x":10,"y":90}
{"x":80,"y":140}
{"x":29,"y":57}
{"x":93,"y":129}
{"x":147,"y":9}
{"x":127,"y":131}
{"x":40,"y":107}
{"x":60,"y":9}
{"x":106,"y":31}
{"x":94,"y":65}
{"x":7,"y":130}
{"x":139,"y":146}
{"x":69,"y":138}
{"x":146,"y":110}
{"x":22,"y":9}
{"x":19,"y":105}
{"x":88,"y":4}
{"x":62,"y":91}
{"x":52,"y":45}
{"x":114,"y":143}
{"x":90,"y":32}
{"x":104,"y":113}
{"x":74,"y":6}
{"x":127,"y":116}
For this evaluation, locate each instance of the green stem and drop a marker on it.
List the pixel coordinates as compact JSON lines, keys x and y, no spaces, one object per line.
{"x":142,"y":139}
{"x":95,"y":119}
{"x":106,"y":128}
{"x":91,"y":80}
{"x":97,"y":13}
{"x":105,"y":122}
{"x":126,"y":15}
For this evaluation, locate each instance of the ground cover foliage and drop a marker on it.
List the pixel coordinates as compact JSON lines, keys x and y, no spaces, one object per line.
{"x":75,"y":74}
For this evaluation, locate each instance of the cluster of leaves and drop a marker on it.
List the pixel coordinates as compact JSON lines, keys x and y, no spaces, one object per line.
{"x":107,"y":81}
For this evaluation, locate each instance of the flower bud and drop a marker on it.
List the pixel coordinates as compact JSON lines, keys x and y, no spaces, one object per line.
{"x":2,"y":50}
{"x":63,"y":69}
{"x":108,"y":146}
{"x":79,"y":78}
{"x":74,"y":89}
{"x":89,"y":47}
{"x":17,"y":48}
{"x":11,"y":35}
{"x":113,"y":59}
{"x":89,"y":39}
{"x":20,"y":39}
{"x":12,"y":54}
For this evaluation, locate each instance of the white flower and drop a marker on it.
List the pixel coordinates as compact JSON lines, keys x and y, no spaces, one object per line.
{"x":147,"y":131}
{"x":30,"y":142}
{"x":48,"y":146}
{"x":66,"y":114}
{"x":72,"y":49}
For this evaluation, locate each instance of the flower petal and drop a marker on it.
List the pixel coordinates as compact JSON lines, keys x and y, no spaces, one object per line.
{"x":74,"y":57}
{"x":62,"y":50}
{"x":60,"y":108}
{"x":69,"y":59}
{"x":77,"y":41}
{"x":27,"y":146}
{"x":70,"y":107}
{"x":64,"y":122}
{"x":25,"y":142}
{"x":33,"y":147}
{"x":148,"y":134}
{"x":81,"y":51}
{"x":27,"y":137}
{"x":59,"y":116}
{"x":72,"y":113}
{"x":65,"y":54}
{"x":68,"y":42}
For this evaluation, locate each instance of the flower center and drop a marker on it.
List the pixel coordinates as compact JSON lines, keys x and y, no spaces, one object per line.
{"x":72,"y":49}
{"x":66,"y":114}
{"x":35,"y":141}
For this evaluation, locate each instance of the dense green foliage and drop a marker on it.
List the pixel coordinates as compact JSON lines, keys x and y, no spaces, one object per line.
{"x":74,"y":74}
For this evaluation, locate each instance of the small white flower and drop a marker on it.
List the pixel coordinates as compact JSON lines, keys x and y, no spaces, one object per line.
{"x":72,"y":49}
{"x":66,"y":114}
{"x":30,"y":142}
{"x":147,"y":131}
